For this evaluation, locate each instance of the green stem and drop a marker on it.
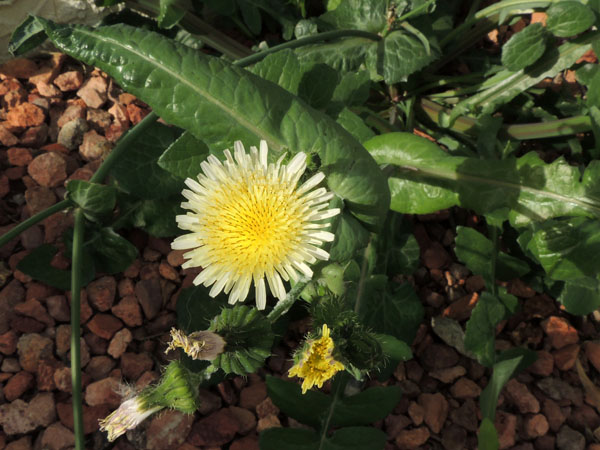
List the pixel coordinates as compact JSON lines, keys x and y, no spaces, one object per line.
{"x":284,"y":305}
{"x":415,"y":11}
{"x":363,"y":277}
{"x":63,"y":204}
{"x":329,"y":35}
{"x":524,"y":131}
{"x":76,"y":329}
{"x":124,"y":143}
{"x":494,"y":239}
{"x":339,"y":388}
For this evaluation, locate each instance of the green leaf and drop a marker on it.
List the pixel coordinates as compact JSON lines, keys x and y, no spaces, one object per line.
{"x":317,"y":85}
{"x":508,"y":364}
{"x":581,"y":297}
{"x":366,"y":15}
{"x":170,"y":14}
{"x":251,"y":16}
{"x":476,"y":251}
{"x":506,"y":84}
{"x":183,"y":157}
{"x":349,"y":237}
{"x":568,"y":18}
{"x":394,"y":348}
{"x":112,"y":253}
{"x":27,"y":36}
{"x":288,"y":438}
{"x":220,"y":103}
{"x":354,"y":125}
{"x":306,"y":408}
{"x":567,"y":249}
{"x":96,"y":200}
{"x":282,"y":68}
{"x":157,"y":217}
{"x":487,"y":437}
{"x":398,"y":314}
{"x":525,"y":47}
{"x":593,"y":96}
{"x":345,"y":55}
{"x":366,"y":407}
{"x":137,"y":171}
{"x":353,"y":88}
{"x":403,"y":54}
{"x":37,"y":265}
{"x":356,"y":438}
{"x":480,"y":332}
{"x":426,"y":179}
{"x":397,"y":249}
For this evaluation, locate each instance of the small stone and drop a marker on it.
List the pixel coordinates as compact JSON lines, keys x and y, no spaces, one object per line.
{"x":175,"y":258}
{"x":35,"y":136}
{"x":560,"y":332}
{"x":58,"y":308}
{"x":20,"y":444}
{"x":135,"y":113}
{"x":437,"y":356}
{"x":17,"y":385}
{"x":553,"y":414}
{"x":49,"y":69}
{"x":103,"y":392}
{"x":544,"y":365}
{"x":454,"y":438}
{"x":466,"y":415}
{"x":72,"y":112}
{"x":569,"y":439}
{"x":18,"y":156}
{"x":69,"y":81}
{"x":62,"y":379}
{"x":565,"y":358}
{"x":129,"y":311}
{"x":34,"y":309}
{"x":535,"y":426}
{"x":266,"y":408}
{"x":119,"y":343}
{"x":245,"y":443}
{"x":465,"y":388}
{"x":101,"y":293}
{"x":71,"y":135}
{"x":558,"y":390}
{"x":246,"y":420}
{"x":506,"y":427}
{"x":57,"y":437}
{"x":25,"y":115}
{"x":461,"y":309}
{"x":32,"y":348}
{"x":104,"y":325}
{"x":7,"y":138}
{"x":39,"y":198}
{"x":270,"y":421}
{"x":518,"y":394}
{"x":10,"y":365}
{"x":416,"y":413}
{"x":47,"y":90}
{"x":217,"y":429}
{"x":167,"y":272}
{"x":148,"y":293}
{"x":19,"y":417}
{"x":208,"y":401}
{"x":94,"y":146}
{"x":412,"y":439}
{"x":10,"y":295}
{"x":134,"y":364}
{"x":168,"y":429}
{"x":94,"y":92}
{"x":45,"y":374}
{"x":48,"y":169}
{"x":99,"y":367}
{"x":18,"y":68}
{"x":8,"y":342}
{"x":252,"y":395}
{"x":592,"y":352}
{"x":436,"y":410}
{"x":91,"y":416}
{"x":436,"y":256}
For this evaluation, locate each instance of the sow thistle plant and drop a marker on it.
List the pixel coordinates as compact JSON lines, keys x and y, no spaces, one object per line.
{"x":309,"y":222}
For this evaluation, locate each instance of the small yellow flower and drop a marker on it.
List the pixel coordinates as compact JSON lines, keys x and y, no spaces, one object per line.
{"x":249,"y":221}
{"x":129,"y":415}
{"x":204,"y":345}
{"x":317,"y":364}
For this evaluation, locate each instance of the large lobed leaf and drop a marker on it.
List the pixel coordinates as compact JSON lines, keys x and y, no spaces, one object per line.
{"x":426,"y":179}
{"x":220,"y":103}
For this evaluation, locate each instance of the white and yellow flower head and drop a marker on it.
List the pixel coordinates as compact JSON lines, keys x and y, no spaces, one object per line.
{"x":316,"y":364}
{"x":249,"y":221}
{"x":128,"y":416}
{"x":202,"y":345}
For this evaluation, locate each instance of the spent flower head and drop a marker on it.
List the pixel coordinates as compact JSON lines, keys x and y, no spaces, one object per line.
{"x":204,"y":345}
{"x":129,"y":415}
{"x":316,"y":364}
{"x":248,"y":222}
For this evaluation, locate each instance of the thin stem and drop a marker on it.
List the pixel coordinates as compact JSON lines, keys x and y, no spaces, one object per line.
{"x":76,"y":329}
{"x":339,"y":388}
{"x":122,"y":146}
{"x":283,"y":306}
{"x":63,"y":204}
{"x":494,"y":239}
{"x":415,"y":11}
{"x":329,"y":35}
{"x":363,"y":277}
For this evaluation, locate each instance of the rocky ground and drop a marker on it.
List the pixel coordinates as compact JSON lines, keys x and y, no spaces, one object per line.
{"x":58,"y":118}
